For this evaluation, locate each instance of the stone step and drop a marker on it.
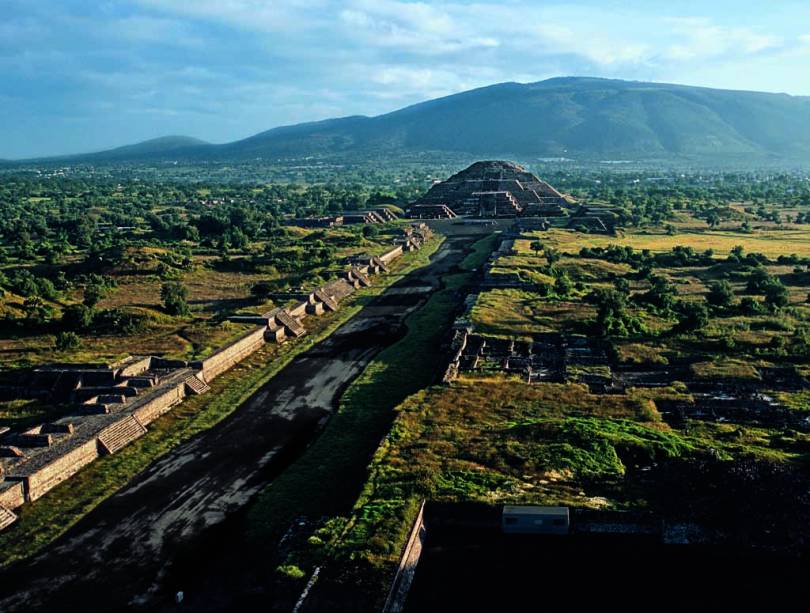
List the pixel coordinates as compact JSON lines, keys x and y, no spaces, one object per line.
{"x":6,"y":517}
{"x":327,"y":300}
{"x":356,"y":273}
{"x":120,"y":434}
{"x":195,"y":385}
{"x":291,"y":324}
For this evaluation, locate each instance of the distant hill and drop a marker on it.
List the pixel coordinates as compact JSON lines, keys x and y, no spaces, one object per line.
{"x":164,"y":146}
{"x":583,"y":118}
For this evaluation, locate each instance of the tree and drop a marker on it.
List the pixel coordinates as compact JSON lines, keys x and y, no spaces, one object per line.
{"x":776,"y":294}
{"x":563,"y":285}
{"x":758,"y":281}
{"x":66,"y":341}
{"x":552,"y":257}
{"x":750,"y":306}
{"x":174,"y":296}
{"x":536,"y":246}
{"x":93,"y":293}
{"x":36,"y":311}
{"x":691,"y":316}
{"x":612,"y":318}
{"x":661,"y":293}
{"x":721,"y":295}
{"x":261,"y":290}
{"x":77,"y":317}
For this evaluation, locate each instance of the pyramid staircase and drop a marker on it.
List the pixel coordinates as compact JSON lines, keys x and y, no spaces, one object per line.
{"x":6,"y":517}
{"x":290,"y":323}
{"x":120,"y":434}
{"x":195,"y":385}
{"x":361,"y":276}
{"x":327,"y":300}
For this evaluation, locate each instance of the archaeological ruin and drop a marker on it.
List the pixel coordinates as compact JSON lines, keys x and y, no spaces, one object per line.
{"x":111,"y":405}
{"x":491,"y":189}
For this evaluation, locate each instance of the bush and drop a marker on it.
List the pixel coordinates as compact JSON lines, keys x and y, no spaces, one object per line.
{"x":174,"y":298}
{"x":77,"y":317}
{"x":721,"y":294}
{"x":291,"y":571}
{"x":66,"y":341}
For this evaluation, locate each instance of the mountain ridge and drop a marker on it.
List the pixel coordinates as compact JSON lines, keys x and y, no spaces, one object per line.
{"x":579,"y":117}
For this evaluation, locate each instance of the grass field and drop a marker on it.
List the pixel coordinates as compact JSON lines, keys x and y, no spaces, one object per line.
{"x":772,"y":243}
{"x":496,"y":440}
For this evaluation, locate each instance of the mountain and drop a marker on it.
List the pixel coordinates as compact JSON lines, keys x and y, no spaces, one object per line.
{"x":154,"y":148}
{"x":583,"y":118}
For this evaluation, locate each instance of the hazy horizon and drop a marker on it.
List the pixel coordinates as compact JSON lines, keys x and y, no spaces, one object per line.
{"x":79,"y":76}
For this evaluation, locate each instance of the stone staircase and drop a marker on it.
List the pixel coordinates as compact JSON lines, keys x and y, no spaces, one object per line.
{"x":195,"y":385}
{"x":361,"y":276}
{"x":6,"y":517}
{"x":291,"y":324}
{"x":120,"y":434}
{"x":328,"y":302}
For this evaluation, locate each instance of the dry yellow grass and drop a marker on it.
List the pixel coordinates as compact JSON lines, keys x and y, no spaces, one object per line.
{"x":772,"y":243}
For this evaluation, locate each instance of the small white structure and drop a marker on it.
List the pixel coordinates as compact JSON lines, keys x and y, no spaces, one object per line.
{"x":519,"y":519}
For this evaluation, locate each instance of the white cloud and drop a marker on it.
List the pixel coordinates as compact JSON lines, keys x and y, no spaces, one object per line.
{"x":701,"y":38}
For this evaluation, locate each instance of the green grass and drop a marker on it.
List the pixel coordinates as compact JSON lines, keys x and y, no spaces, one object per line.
{"x":44,"y":520}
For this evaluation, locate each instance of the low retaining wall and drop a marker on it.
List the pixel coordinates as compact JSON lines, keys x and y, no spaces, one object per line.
{"x":160,"y":403}
{"x":407,"y":565}
{"x":299,"y":310}
{"x":53,"y":473}
{"x":12,"y":494}
{"x":136,"y":367}
{"x":227,"y":357}
{"x":391,"y":255}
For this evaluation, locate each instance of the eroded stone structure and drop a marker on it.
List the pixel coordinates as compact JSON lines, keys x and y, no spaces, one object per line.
{"x":112,"y":404}
{"x":491,"y":189}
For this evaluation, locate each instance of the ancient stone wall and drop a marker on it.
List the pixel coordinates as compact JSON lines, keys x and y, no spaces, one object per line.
{"x":62,"y":467}
{"x":299,"y":310}
{"x":225,"y":358}
{"x":159,"y":403}
{"x":56,"y":451}
{"x":12,"y":494}
{"x":136,"y":367}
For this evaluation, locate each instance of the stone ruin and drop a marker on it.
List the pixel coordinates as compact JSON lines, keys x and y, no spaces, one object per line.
{"x":365,"y":216}
{"x":491,"y":189}
{"x":558,"y":358}
{"x":110,"y":405}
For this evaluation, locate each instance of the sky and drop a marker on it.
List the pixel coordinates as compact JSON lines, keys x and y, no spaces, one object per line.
{"x":85,"y":75}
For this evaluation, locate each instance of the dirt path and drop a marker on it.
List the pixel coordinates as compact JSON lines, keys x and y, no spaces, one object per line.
{"x":116,"y":556}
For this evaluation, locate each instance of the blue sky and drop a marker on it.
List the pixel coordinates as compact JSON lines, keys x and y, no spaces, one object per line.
{"x":81,"y":75}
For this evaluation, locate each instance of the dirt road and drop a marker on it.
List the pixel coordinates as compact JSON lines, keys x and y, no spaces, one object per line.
{"x":116,"y":557}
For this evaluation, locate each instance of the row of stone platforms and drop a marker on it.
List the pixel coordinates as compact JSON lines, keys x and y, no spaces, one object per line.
{"x":112,"y":404}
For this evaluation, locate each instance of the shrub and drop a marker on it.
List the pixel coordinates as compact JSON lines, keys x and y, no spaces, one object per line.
{"x":77,"y":317}
{"x":174,"y":296}
{"x":291,"y":571}
{"x":66,"y":341}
